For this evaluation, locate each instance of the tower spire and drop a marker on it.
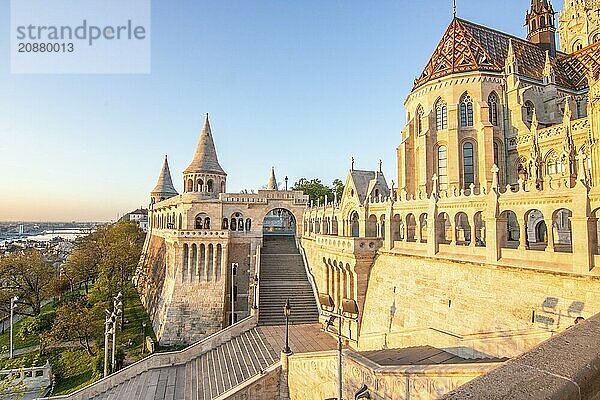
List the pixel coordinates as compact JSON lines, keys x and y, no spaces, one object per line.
{"x":205,"y":159}
{"x":272,"y":184}
{"x":541,"y":28}
{"x":454,"y":8}
{"x":164,"y":188}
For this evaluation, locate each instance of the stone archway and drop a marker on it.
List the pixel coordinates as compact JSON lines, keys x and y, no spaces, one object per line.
{"x":279,"y":221}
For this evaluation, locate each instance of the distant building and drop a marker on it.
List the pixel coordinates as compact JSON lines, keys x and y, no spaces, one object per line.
{"x":141,"y":217}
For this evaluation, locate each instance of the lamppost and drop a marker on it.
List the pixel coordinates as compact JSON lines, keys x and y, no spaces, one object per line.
{"x":348,"y":312}
{"x":287,"y":310}
{"x":110,"y":329}
{"x":143,"y":337}
{"x":13,"y":300}
{"x":255,"y":288}
{"x":234,"y":267}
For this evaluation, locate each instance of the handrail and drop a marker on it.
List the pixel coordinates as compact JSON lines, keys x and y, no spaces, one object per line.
{"x":309,"y":274}
{"x":160,"y":360}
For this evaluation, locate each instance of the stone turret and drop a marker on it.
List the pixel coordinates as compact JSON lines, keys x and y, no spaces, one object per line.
{"x":164,"y":188}
{"x":272,"y":184}
{"x":204,"y":175}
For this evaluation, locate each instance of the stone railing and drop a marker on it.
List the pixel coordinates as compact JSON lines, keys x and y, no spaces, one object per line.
{"x":36,"y":380}
{"x":313,"y":376}
{"x":261,"y":386}
{"x":309,"y":273}
{"x":349,"y":244}
{"x":566,"y":367}
{"x":193,"y":233}
{"x":160,"y":360}
{"x":263,"y":197}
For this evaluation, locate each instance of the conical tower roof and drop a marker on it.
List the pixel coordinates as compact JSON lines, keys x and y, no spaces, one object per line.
{"x":165,"y":184}
{"x":272,"y":184}
{"x":205,"y":160}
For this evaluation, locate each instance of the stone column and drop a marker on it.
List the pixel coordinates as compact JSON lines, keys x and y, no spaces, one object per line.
{"x":225,"y":261}
{"x":473,"y":232}
{"x":214,"y":256}
{"x":583,"y":258}
{"x":284,"y":390}
{"x":550,"y":236}
{"x":206,"y":260}
{"x":523,"y":236}
{"x":389,"y":238}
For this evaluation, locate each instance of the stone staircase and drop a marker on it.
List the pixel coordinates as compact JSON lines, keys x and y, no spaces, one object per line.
{"x":205,"y":377}
{"x":209,"y":371}
{"x":283,"y":276}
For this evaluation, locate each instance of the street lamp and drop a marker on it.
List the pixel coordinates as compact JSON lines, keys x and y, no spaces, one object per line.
{"x":287,"y":310}
{"x":255,"y":303}
{"x":117,"y":305}
{"x":12,"y":309}
{"x":143,"y":337}
{"x":110,"y":329}
{"x":349,"y":312}
{"x":234,"y":267}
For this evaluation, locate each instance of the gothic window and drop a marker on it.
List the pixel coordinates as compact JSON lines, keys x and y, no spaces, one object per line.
{"x":542,"y":21}
{"x":577,"y":46}
{"x":225,"y":224}
{"x":466,"y":111}
{"x":579,"y":110}
{"x":493,"y":108}
{"x":441,"y":114}
{"x":554,"y":164}
{"x":596,"y":38}
{"x":419,"y":120}
{"x":529,"y":109}
{"x":442,"y":170}
{"x":533,"y":25}
{"x":468,"y":165}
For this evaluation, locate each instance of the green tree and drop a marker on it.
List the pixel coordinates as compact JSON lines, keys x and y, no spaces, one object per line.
{"x":316,"y":190}
{"x":82,"y":264}
{"x":30,"y":276}
{"x":75,"y":321}
{"x":121,"y":248}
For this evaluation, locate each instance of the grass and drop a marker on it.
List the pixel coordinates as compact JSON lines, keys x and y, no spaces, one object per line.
{"x":18,"y":341}
{"x":73,"y":367}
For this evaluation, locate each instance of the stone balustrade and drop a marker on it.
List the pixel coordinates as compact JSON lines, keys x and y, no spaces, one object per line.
{"x":27,"y":380}
{"x":349,"y":244}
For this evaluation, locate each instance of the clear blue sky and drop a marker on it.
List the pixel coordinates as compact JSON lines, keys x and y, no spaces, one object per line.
{"x":302,"y":86}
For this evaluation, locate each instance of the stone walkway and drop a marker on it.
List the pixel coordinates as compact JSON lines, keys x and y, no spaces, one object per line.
{"x":304,"y":338}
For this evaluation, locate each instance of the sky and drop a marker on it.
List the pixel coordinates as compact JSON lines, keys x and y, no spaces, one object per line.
{"x":302,"y":86}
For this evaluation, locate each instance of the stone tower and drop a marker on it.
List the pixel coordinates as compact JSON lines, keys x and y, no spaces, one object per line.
{"x":272,"y":184}
{"x":204,"y":175}
{"x":164,"y":188}
{"x":541,"y":28}
{"x":579,"y":24}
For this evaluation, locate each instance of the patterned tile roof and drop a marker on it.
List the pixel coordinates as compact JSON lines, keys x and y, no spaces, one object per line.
{"x":466,"y":46}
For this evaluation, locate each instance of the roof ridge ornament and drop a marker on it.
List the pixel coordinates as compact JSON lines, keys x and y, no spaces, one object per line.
{"x":454,"y":9}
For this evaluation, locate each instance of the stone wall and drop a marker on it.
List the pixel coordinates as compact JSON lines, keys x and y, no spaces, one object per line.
{"x":314,"y":376}
{"x":457,"y":300}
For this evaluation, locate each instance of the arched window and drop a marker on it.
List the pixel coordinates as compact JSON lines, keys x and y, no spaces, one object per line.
{"x":206,"y":223}
{"x":233,"y":224}
{"x":577,"y":46}
{"x":533,"y":25}
{"x":466,"y":111}
{"x":468,"y":165}
{"x":199,"y":222}
{"x":180,"y":220}
{"x":542,"y":21}
{"x":209,"y":185}
{"x":529,"y":109}
{"x":442,"y":170}
{"x":222,"y":186}
{"x":225,"y":224}
{"x":441,"y":115}
{"x":419,"y":121}
{"x":248,"y":224}
{"x":200,"y":187}
{"x":493,"y":108}
{"x":596,"y":38}
{"x":241,"y":224}
{"x":190,"y":185}
{"x":554,"y":164}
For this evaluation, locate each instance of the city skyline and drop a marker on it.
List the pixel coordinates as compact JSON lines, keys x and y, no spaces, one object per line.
{"x":312,"y":76}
